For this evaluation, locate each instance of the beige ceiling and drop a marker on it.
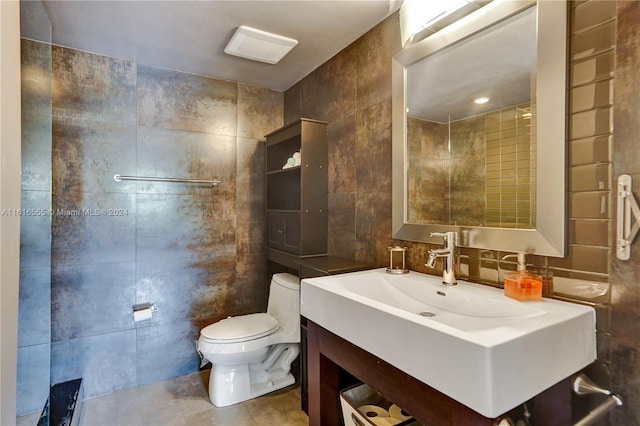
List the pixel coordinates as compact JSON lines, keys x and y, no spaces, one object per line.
{"x":190,"y":36}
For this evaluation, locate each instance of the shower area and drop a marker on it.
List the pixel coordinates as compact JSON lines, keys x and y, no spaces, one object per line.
{"x":34,"y":310}
{"x":92,"y":247}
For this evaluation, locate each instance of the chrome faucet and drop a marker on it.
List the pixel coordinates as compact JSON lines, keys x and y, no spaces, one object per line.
{"x":446,"y":253}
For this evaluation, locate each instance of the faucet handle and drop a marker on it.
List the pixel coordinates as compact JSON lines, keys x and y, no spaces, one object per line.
{"x":450,"y":235}
{"x":431,"y":261}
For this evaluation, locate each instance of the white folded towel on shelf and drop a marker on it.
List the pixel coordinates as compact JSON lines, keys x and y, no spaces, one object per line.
{"x":290,"y":163}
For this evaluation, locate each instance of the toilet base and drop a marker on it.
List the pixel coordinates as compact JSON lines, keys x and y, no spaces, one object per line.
{"x":231,"y":384}
{"x":260,"y":389}
{"x":224,"y":392}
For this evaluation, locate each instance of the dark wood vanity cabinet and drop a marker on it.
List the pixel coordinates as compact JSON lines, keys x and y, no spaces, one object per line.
{"x":319,"y":267}
{"x":329,"y":357}
{"x":296,"y":195}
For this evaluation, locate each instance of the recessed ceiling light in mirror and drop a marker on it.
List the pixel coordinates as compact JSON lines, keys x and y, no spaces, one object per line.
{"x":480,"y":101}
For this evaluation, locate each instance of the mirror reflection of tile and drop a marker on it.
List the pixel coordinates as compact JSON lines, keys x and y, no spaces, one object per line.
{"x":479,"y":171}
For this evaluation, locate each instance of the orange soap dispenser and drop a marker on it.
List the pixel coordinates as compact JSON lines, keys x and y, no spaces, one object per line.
{"x":522,"y":284}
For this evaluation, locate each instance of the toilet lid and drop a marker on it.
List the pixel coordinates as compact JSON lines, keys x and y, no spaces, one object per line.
{"x":240,"y":328}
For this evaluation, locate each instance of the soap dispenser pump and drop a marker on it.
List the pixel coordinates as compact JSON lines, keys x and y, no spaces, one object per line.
{"x":522,"y":284}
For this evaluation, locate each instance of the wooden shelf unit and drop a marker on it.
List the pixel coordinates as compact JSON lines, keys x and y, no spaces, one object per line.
{"x":296,"y":197}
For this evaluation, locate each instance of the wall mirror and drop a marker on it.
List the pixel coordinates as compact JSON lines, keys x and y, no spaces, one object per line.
{"x":494,"y":171}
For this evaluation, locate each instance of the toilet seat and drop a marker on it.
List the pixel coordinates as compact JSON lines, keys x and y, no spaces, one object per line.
{"x":240,"y":328}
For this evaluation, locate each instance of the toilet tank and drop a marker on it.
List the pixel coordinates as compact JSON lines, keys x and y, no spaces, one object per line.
{"x":284,"y":303}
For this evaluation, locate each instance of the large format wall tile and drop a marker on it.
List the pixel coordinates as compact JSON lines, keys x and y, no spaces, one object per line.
{"x":106,"y":362}
{"x":185,"y":227}
{"x":92,"y":299}
{"x":467,"y":172}
{"x":373,"y":199}
{"x":373,"y":155}
{"x":35,"y":76}
{"x":428,"y":189}
{"x":175,"y":100}
{"x":337,"y":99}
{"x":34,"y":308}
{"x":250,"y":196}
{"x":86,"y":157}
{"x":292,"y":103}
{"x":342,"y":224}
{"x":190,"y":155}
{"x":373,"y":221}
{"x":252,"y":283}
{"x":33,"y":378}
{"x":626,"y":94}
{"x":90,"y":87}
{"x":373,"y":54}
{"x":215,"y":296}
{"x":93,"y":228}
{"x":35,"y":229}
{"x":184,"y":291}
{"x":166,"y":351}
{"x":342,"y":155}
{"x":259,"y":111}
{"x":625,"y":276}
{"x":36,"y":152}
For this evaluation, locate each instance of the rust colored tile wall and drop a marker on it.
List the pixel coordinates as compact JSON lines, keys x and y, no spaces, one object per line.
{"x":603,"y":90}
{"x":34,"y":307}
{"x":428,"y":188}
{"x":197,"y":252}
{"x":625,"y":275}
{"x":352,"y":91}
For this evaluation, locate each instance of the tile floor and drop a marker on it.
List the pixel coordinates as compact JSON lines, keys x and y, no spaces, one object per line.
{"x":183,"y":401}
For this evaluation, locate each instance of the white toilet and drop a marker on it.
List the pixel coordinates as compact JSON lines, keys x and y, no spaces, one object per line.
{"x":251,"y":355}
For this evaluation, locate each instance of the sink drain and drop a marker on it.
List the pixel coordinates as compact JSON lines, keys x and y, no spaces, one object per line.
{"x":427,"y":314}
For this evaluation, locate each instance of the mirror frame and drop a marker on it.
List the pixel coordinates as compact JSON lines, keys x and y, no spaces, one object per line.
{"x":548,"y":238}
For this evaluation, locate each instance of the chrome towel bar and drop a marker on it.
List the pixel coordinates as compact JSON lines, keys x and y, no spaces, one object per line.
{"x":582,"y":385}
{"x":213,"y":182}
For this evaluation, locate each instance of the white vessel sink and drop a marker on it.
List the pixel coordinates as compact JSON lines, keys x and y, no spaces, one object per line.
{"x":470,"y":342}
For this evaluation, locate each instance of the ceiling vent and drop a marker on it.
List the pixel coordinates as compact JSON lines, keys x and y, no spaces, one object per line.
{"x":259,"y":45}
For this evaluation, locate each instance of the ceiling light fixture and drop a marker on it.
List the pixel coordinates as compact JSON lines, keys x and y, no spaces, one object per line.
{"x":417,"y":15}
{"x":480,"y":101}
{"x":259,"y":45}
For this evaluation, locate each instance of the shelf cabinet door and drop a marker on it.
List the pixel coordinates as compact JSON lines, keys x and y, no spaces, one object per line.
{"x":283,"y":231}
